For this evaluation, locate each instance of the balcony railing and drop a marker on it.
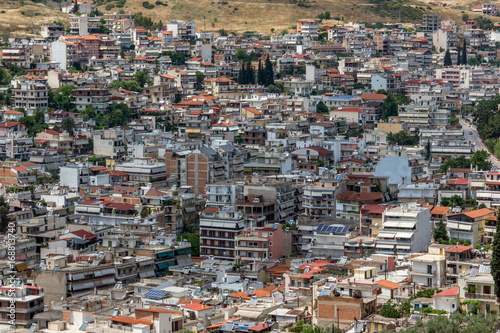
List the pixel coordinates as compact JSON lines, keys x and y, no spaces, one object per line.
{"x":480,"y":296}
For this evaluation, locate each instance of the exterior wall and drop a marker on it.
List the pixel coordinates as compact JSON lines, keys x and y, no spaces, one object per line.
{"x":348,"y":308}
{"x":197,"y":172}
{"x":7,"y":177}
{"x":53,"y":284}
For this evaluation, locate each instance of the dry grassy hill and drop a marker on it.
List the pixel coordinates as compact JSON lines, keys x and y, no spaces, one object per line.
{"x":23,"y":18}
{"x":264,"y":15}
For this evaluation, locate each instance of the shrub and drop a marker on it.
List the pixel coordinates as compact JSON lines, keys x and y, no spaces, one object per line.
{"x":110,"y":6}
{"x":148,"y":5}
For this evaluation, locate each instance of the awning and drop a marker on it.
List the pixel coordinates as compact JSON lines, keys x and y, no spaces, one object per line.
{"x":108,"y":271}
{"x":75,"y":277}
{"x":385,"y":246}
{"x":403,"y":247}
{"x":98,"y":273}
{"x":406,"y":235}
{"x":108,"y":281}
{"x":145,"y":262}
{"x":386,"y":235}
{"x":146,"y":274}
{"x":465,"y":227}
{"x":21,"y":267}
{"x":94,"y":210}
{"x":85,"y":285}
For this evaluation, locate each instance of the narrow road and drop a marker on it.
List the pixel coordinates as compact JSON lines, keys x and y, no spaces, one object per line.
{"x":470,"y":133}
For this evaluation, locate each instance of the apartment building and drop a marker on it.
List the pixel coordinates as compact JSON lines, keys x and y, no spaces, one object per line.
{"x":405,"y":229}
{"x":27,"y":301}
{"x":144,"y":171}
{"x":259,"y":245}
{"x":319,"y":198}
{"x":110,"y":143}
{"x":429,"y":270}
{"x":94,"y":95}
{"x":182,"y":30}
{"x":29,"y":95}
{"x":218,"y":229}
{"x":308,"y":28}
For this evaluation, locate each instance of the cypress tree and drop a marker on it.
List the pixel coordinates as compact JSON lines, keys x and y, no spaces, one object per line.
{"x":464,"y":54}
{"x":269,"y":73}
{"x":459,"y":57}
{"x":495,"y":258}
{"x":240,"y":74}
{"x":260,"y":74}
{"x":250,"y":74}
{"x":447,"y":59}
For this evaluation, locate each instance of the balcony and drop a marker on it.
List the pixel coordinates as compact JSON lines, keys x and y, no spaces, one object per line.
{"x":477,"y":296}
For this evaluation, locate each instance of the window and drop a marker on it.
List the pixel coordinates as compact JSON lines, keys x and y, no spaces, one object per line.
{"x":429,"y":269}
{"x":270,"y":255}
{"x":429,"y":282}
{"x":253,"y":244}
{"x":270,"y":243}
{"x":243,"y":243}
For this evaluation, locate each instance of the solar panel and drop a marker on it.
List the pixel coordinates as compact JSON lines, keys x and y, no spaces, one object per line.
{"x":155,"y":294}
{"x":253,"y":302}
{"x":309,"y":254}
{"x":482,"y":269}
{"x":336,"y":229}
{"x":197,"y":291}
{"x":330,"y":229}
{"x":320,"y":227}
{"x":83,"y":327}
{"x":164,"y":285}
{"x":488,"y":270}
{"x":251,"y":291}
{"x":346,"y":229}
{"x":325,"y":228}
{"x":32,"y":328}
{"x":325,"y":292}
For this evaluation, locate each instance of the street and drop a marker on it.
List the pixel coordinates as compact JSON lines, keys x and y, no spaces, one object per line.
{"x":476,"y":140}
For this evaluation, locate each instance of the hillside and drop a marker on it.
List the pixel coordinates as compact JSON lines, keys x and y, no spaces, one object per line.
{"x":264,"y":15}
{"x":17,"y":19}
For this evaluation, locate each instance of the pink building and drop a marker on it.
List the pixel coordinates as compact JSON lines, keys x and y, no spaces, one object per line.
{"x":261,"y":244}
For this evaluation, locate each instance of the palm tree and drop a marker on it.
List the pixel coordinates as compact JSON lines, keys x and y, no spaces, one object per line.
{"x":68,"y":124}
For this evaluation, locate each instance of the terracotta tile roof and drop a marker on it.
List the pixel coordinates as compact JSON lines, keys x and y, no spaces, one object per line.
{"x":131,"y":320}
{"x":197,"y":307}
{"x":448,"y":292}
{"x":379,"y":97}
{"x":388,"y":284}
{"x":478,"y":213}
{"x":458,"y":249}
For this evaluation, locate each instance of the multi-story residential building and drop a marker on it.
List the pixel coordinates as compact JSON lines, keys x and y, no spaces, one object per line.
{"x":218,"y":229}
{"x":24,"y":301}
{"x":16,"y":56}
{"x":429,"y":270}
{"x":349,"y":203}
{"x":319,"y":198}
{"x":325,"y":240}
{"x":110,"y":143}
{"x":52,"y":31}
{"x":469,"y":226}
{"x":84,"y":25}
{"x":308,"y":28}
{"x":182,"y":30}
{"x":144,"y":171}
{"x":430,"y":22}
{"x":29,"y":95}
{"x":405,"y":229}
{"x":94,"y":95}
{"x":225,"y":193}
{"x":481,"y":287}
{"x":259,"y":245}
{"x":487,"y":8}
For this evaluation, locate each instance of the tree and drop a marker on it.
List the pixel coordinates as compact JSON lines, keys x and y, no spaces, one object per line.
{"x":495,"y":258}
{"x":447,"y":59}
{"x":390,"y":310}
{"x":321,"y":107}
{"x":456,"y":201}
{"x":260,"y":74}
{"x":389,"y":107}
{"x":250,"y":74}
{"x":68,"y":124}
{"x":62,"y":98}
{"x":4,"y":77}
{"x":459,"y":57}
{"x":268,"y":72}
{"x":445,"y":202}
{"x":464,"y":54}
{"x":199,"y":79}
{"x":428,"y":150}
{"x":480,"y":160}
{"x":440,"y":231}
{"x":141,"y":77}
{"x":4,"y":211}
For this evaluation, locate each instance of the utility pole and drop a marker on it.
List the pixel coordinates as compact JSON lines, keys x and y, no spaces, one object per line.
{"x":338,"y":320}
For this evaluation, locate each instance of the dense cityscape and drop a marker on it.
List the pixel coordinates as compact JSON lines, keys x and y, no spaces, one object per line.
{"x":329,"y":178}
